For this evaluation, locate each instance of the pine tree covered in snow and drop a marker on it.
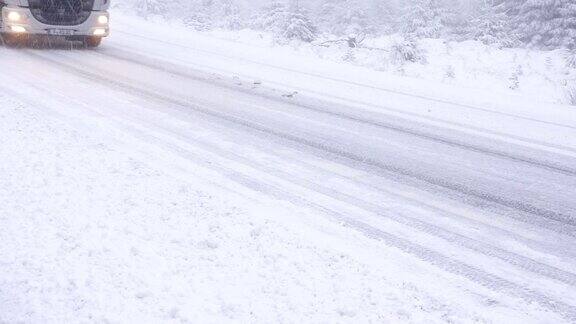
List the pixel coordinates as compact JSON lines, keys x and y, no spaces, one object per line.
{"x":455,"y":20}
{"x":273,"y":17}
{"x":505,"y":23}
{"x":351,"y":18}
{"x":197,"y":14}
{"x":568,"y":25}
{"x":512,"y":7}
{"x":206,"y":14}
{"x":327,"y":13}
{"x":229,"y":13}
{"x":198,"y":20}
{"x":384,"y":16}
{"x":424,"y":18}
{"x":547,"y":23}
{"x":570,"y":58}
{"x":492,"y":25}
{"x":286,"y":21}
{"x":298,"y":25}
{"x":145,"y":8}
{"x":406,"y":49}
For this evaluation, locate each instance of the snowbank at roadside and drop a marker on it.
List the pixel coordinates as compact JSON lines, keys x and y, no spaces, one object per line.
{"x":538,"y":75}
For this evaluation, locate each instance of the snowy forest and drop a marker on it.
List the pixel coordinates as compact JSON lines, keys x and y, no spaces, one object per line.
{"x":546,"y":24}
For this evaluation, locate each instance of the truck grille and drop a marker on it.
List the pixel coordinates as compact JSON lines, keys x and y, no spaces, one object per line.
{"x":61,"y":12}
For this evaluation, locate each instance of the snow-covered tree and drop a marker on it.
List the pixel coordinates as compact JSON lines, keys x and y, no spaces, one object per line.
{"x":298,"y":24}
{"x":229,"y":15}
{"x":207,"y":14}
{"x":547,"y":23}
{"x":145,"y":8}
{"x":345,"y":18}
{"x":272,"y":17}
{"x":384,"y":16}
{"x":492,"y":25}
{"x":326,"y":14}
{"x":199,"y":21}
{"x":286,"y":21}
{"x":198,"y":14}
{"x":506,"y":23}
{"x":424,"y":18}
{"x":406,"y":49}
{"x":455,"y":20}
{"x":570,"y":57}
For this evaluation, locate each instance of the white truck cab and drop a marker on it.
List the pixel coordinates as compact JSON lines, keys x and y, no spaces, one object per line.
{"x":83,"y":20}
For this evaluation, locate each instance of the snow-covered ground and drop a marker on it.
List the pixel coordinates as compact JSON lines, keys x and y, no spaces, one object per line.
{"x":176,"y":177}
{"x":94,"y":231}
{"x":91,"y":233}
{"x":539,"y":75}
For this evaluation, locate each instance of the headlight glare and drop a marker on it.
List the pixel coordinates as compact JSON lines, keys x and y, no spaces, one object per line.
{"x":103,"y":20}
{"x":99,"y":32}
{"x":14,"y":16}
{"x":18,"y":29}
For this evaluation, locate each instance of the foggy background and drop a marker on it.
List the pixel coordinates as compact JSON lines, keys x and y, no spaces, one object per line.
{"x":545,"y":24}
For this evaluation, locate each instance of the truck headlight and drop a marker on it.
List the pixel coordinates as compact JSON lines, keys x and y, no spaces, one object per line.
{"x":99,"y":32}
{"x":14,"y":16}
{"x":103,"y":20}
{"x":18,"y":29}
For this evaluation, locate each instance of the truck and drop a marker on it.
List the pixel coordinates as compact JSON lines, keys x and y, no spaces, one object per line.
{"x":74,"y":20}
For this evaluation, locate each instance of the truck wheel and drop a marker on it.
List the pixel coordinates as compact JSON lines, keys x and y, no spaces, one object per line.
{"x":92,"y":41}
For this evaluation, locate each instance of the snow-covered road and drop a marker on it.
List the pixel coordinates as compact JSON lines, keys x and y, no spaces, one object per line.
{"x":472,"y":206}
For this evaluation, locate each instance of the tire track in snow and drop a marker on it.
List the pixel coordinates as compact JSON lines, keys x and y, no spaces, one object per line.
{"x":327,"y":147}
{"x":477,"y":275}
{"x":349,"y":101}
{"x":355,"y":118}
{"x":512,"y":258}
{"x":319,"y":76}
{"x":475,"y":245}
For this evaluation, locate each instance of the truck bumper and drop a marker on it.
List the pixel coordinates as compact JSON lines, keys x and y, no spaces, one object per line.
{"x":27,"y":24}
